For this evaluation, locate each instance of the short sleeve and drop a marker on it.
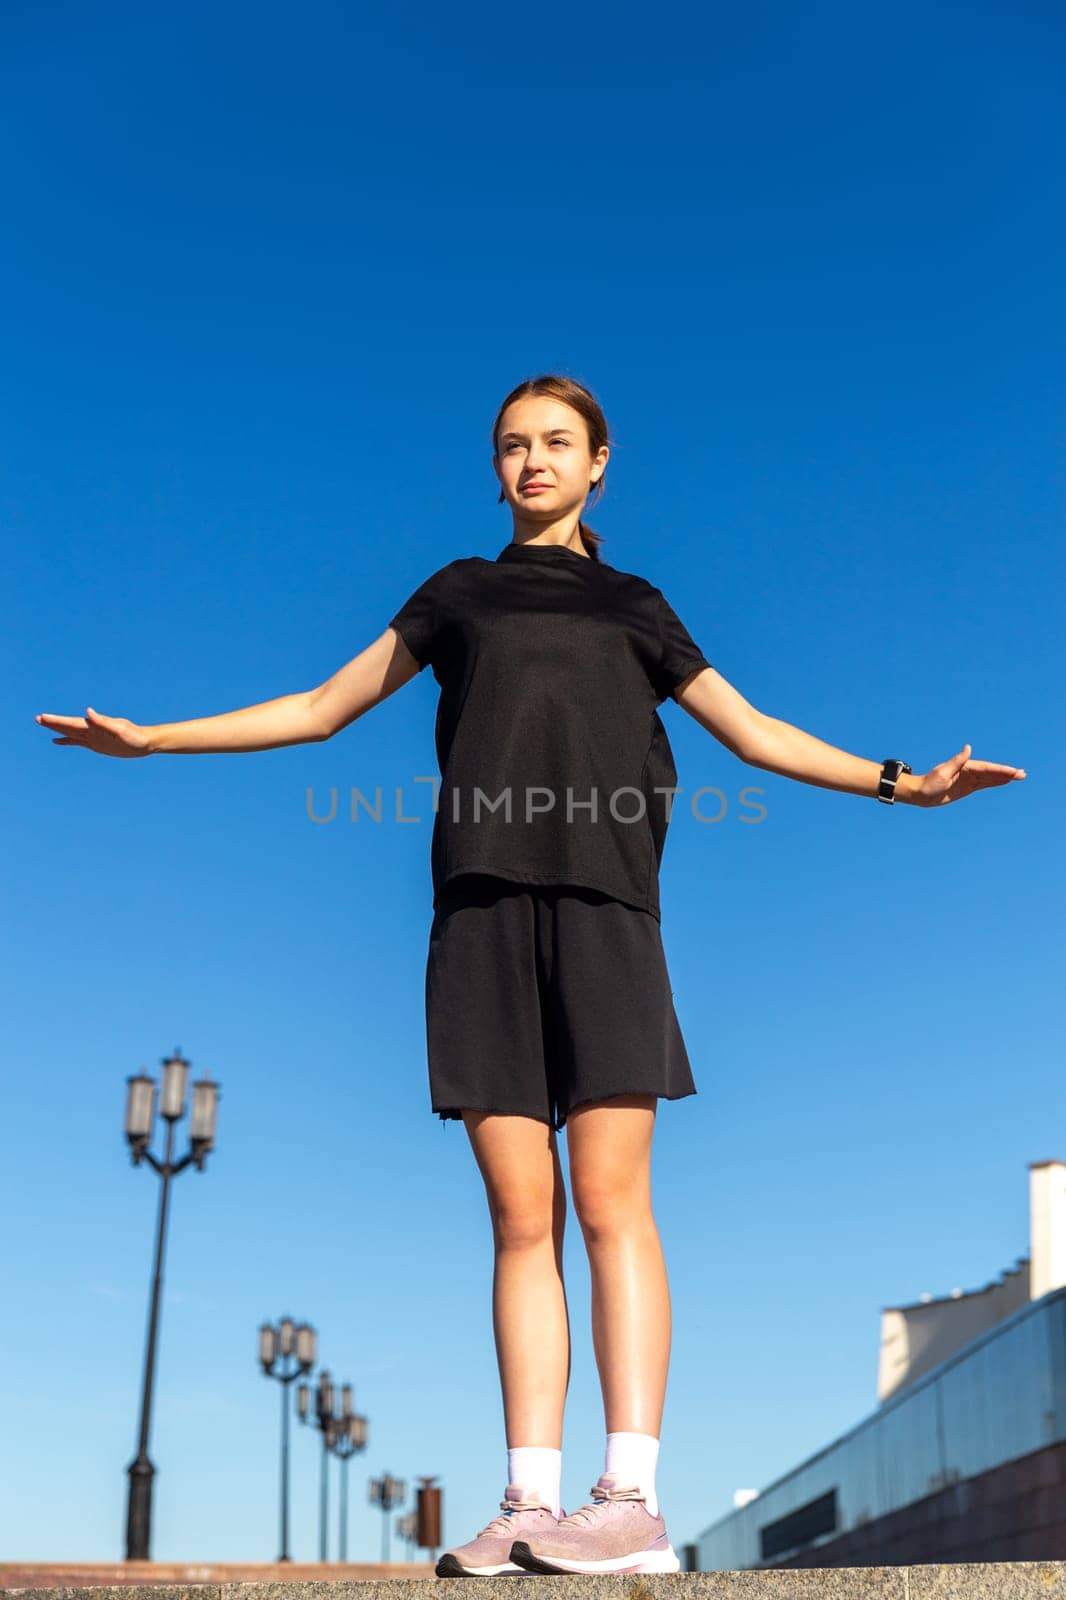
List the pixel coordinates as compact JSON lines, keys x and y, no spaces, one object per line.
{"x":679,"y":655}
{"x":417,"y":621}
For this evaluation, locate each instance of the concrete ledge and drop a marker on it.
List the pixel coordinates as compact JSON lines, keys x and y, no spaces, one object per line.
{"x":107,"y":1577}
{"x":994,"y":1580}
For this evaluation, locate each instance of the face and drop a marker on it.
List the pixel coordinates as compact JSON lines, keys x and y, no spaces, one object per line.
{"x":543,"y":461}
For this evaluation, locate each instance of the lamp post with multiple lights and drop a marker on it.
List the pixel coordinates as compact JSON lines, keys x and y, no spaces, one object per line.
{"x":387,"y":1492}
{"x":349,"y":1436}
{"x":323,"y":1420}
{"x":286,"y":1352}
{"x":140,"y":1114}
{"x":407,"y":1528}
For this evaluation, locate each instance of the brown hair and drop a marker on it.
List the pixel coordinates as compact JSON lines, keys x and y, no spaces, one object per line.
{"x":574,"y":394}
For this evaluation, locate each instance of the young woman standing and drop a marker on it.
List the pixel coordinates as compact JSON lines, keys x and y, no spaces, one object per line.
{"x":548,"y":1000}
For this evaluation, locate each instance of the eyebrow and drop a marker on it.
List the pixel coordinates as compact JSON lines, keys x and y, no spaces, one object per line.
{"x":512,"y":435}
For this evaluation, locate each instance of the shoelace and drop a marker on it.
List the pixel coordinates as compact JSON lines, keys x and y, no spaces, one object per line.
{"x":508,"y":1508}
{"x":601,"y":1496}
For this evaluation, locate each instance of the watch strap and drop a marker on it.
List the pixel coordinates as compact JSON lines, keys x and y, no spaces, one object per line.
{"x":890,"y":771}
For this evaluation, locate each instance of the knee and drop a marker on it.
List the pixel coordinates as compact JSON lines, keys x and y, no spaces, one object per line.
{"x":526,"y":1221}
{"x":605,"y":1209}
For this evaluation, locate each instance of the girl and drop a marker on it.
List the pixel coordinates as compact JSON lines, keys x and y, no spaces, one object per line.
{"x":548,"y":1000}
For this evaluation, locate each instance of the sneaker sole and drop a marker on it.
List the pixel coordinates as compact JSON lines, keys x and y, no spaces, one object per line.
{"x":643,"y":1561}
{"x":450,"y":1566}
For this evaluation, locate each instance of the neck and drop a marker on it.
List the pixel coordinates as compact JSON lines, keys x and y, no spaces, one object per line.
{"x":564,"y":530}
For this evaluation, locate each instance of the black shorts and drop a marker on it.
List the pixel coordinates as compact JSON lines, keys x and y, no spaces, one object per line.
{"x":540,"y":998}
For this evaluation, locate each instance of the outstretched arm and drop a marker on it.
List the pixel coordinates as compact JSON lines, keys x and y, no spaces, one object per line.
{"x":778,"y":746}
{"x":307,"y":717}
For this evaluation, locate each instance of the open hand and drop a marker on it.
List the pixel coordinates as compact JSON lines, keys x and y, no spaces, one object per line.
{"x":958,"y":777}
{"x":108,"y":736}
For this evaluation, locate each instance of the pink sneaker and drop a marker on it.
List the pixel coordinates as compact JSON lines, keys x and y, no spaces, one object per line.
{"x":616,"y":1533}
{"x":522,"y":1514}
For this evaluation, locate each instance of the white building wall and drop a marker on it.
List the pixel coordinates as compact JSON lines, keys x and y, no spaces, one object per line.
{"x":1047,"y":1226}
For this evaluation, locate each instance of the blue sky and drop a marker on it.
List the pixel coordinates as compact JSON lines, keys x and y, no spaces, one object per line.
{"x":267,"y":276}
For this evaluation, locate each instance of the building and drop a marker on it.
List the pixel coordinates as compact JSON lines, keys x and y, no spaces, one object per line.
{"x":965,"y":1457}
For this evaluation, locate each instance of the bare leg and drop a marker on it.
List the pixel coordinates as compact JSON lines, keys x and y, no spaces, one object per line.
{"x":519,"y":1161}
{"x":609,"y":1146}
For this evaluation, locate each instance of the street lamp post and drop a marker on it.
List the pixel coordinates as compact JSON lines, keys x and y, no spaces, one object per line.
{"x":387,"y":1492}
{"x":140,"y":1111}
{"x":407,"y":1528}
{"x":286,"y":1352}
{"x":349,"y":1436}
{"x":325,"y":1422}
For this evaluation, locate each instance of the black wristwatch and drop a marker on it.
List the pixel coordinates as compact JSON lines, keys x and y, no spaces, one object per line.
{"x":890,"y":771}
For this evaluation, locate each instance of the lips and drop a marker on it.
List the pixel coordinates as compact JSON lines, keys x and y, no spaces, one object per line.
{"x":527,"y":488}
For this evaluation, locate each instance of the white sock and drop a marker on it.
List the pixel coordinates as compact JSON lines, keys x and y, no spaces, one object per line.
{"x":539,"y":1467}
{"x":633,"y":1457}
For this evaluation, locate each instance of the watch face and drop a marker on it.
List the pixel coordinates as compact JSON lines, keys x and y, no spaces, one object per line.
{"x":893,"y":767}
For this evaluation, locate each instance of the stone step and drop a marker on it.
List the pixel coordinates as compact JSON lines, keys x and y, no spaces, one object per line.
{"x":99,"y":1577}
{"x":995,"y":1580}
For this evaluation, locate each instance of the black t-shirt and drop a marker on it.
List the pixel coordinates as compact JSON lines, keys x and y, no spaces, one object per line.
{"x":555,"y":766}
